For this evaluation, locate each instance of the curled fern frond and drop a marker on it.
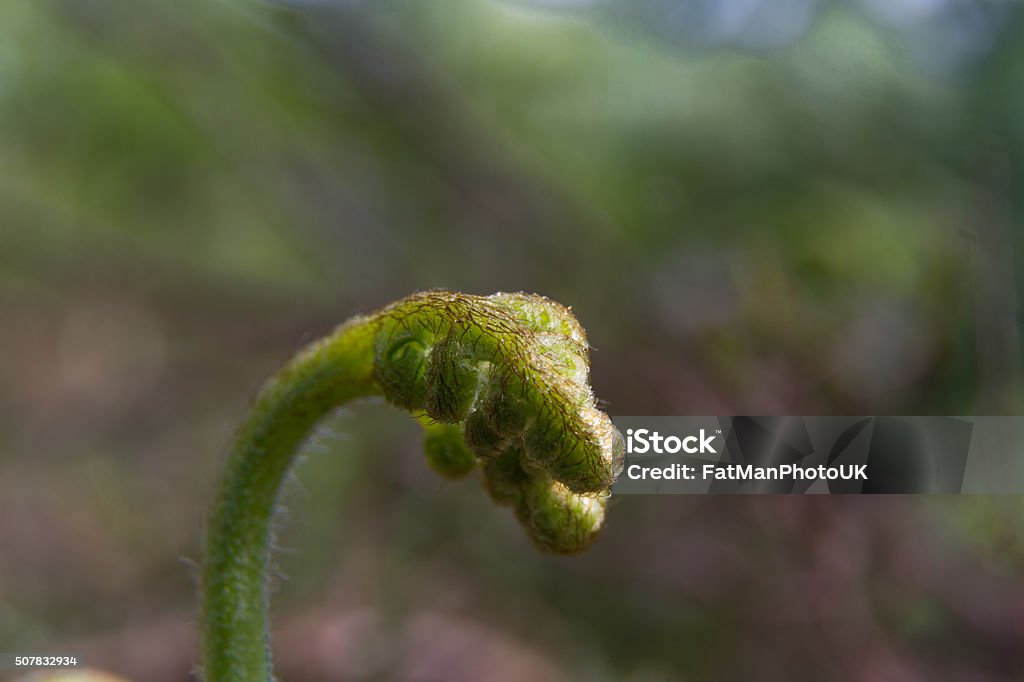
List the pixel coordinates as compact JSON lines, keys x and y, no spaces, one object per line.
{"x":500,"y":383}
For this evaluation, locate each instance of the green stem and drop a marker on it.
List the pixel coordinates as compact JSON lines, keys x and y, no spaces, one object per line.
{"x":322,"y":377}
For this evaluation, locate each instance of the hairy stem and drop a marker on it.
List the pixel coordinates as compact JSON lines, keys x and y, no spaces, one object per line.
{"x":234,"y":619}
{"x":497,"y":381}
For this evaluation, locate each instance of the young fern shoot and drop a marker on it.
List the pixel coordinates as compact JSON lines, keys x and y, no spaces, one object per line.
{"x":500,"y":382}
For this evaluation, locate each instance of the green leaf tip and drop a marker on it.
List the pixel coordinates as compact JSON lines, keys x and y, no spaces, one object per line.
{"x":512,"y":371}
{"x":446,"y":451}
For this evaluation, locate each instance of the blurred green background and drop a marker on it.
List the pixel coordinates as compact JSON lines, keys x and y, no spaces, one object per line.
{"x":789,"y":207}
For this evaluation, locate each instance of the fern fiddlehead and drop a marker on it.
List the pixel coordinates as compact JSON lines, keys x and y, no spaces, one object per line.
{"x":500,"y":383}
